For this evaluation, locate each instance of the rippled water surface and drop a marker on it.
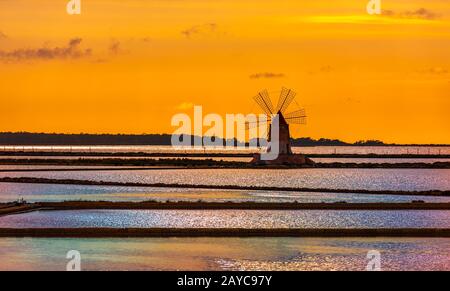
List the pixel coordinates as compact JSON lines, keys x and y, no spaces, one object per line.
{"x":377,"y":161}
{"x":49,"y":192}
{"x":9,"y":168}
{"x":232,"y":253}
{"x":235,"y":159}
{"x":226,"y":253}
{"x":229,"y":219}
{"x":372,"y":179}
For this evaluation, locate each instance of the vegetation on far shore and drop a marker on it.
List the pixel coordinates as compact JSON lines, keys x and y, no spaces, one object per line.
{"x":35,"y":139}
{"x":208,"y":163}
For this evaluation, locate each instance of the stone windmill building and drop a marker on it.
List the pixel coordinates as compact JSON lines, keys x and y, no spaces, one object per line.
{"x":285,"y":155}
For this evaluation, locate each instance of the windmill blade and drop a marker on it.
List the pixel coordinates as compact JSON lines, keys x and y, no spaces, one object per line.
{"x":297,"y":120}
{"x":264,"y":102}
{"x":296,"y":117}
{"x":297,"y":113}
{"x":286,"y":98}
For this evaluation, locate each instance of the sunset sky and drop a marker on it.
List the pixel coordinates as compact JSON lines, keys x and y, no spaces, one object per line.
{"x":127,"y":66}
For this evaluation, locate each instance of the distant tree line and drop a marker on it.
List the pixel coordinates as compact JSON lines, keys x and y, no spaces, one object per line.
{"x":27,"y":138}
{"x":306,"y":141}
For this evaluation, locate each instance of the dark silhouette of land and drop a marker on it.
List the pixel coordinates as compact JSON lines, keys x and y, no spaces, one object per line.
{"x":16,"y":207}
{"x":30,"y":139}
{"x":199,"y":154}
{"x":148,"y":163}
{"x":222,"y":232}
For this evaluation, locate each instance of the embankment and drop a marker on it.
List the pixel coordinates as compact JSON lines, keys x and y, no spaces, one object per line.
{"x":217,"y":232}
{"x":207,"y":164}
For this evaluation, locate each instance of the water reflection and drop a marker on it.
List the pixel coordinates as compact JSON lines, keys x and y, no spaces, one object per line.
{"x":372,"y":179}
{"x":229,"y":219}
{"x":226,"y":159}
{"x":48,"y":192}
{"x":226,"y":253}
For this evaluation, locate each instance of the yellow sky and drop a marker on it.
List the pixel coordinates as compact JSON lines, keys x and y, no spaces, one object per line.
{"x":129,"y":66}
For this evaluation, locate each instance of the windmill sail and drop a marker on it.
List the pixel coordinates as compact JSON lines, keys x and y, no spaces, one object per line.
{"x":286,"y":98}
{"x":296,"y":117}
{"x":264,"y":102}
{"x":297,"y":120}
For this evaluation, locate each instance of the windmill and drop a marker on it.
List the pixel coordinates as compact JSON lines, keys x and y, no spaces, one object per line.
{"x":285,"y":118}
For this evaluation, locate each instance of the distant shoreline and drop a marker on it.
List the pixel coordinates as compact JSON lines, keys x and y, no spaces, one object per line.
{"x":38,"y":153}
{"x":184,"y":163}
{"x":61,"y":139}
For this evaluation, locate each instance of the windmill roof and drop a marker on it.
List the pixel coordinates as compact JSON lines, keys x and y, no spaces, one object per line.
{"x":282,"y":119}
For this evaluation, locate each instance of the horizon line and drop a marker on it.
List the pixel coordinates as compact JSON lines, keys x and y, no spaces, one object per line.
{"x":381,"y":142}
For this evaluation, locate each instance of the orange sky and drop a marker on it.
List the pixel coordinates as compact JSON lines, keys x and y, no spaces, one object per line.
{"x":129,"y":66}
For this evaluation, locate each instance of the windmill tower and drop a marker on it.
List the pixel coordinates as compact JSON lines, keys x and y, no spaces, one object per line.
{"x":285,"y":119}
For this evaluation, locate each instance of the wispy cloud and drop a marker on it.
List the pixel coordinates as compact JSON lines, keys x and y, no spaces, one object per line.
{"x":71,"y":51}
{"x":435,"y":71}
{"x":185,"y":106}
{"x":421,"y":13}
{"x":418,"y":16}
{"x":200,"y":30}
{"x":267,"y":75}
{"x":2,"y":35}
{"x":322,"y":70}
{"x":326,"y":69}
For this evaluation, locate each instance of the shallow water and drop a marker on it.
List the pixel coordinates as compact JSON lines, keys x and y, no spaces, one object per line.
{"x":229,"y":219}
{"x":225,"y":253}
{"x":57,"y":167}
{"x":230,"y":159}
{"x":371,"y":179}
{"x":377,"y":161}
{"x":238,"y":159}
{"x":53,"y":193}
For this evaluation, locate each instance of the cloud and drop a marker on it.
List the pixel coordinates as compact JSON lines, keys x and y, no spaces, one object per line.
{"x":421,"y":13}
{"x":322,"y":70}
{"x":435,"y":71}
{"x":326,"y":69}
{"x":185,"y":106}
{"x":200,"y":30}
{"x":2,"y":35}
{"x":267,"y":75}
{"x":71,"y":51}
{"x":100,"y":61}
